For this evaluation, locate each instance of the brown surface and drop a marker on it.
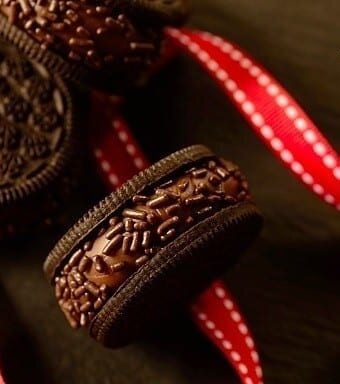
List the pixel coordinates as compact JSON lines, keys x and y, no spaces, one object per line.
{"x":287,"y":286}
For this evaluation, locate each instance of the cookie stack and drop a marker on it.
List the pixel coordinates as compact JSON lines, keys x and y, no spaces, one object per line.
{"x":156,"y":242}
{"x":47,"y":48}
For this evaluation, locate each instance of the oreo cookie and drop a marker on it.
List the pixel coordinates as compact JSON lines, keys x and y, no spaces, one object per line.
{"x":36,"y":142}
{"x":103,"y":43}
{"x":152,"y":245}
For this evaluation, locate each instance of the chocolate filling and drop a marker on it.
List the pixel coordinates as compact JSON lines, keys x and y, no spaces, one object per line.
{"x":134,"y":234}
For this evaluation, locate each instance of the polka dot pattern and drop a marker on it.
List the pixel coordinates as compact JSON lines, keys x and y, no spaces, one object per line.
{"x":303,"y":126}
{"x":106,"y":167}
{"x":130,"y":147}
{"x":227,"y":345}
{"x":227,"y":340}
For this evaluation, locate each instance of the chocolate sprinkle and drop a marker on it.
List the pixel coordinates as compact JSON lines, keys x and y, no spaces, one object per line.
{"x":112,"y":245}
{"x":114,"y":230}
{"x":118,"y":266}
{"x":141,"y":261}
{"x":99,"y":264}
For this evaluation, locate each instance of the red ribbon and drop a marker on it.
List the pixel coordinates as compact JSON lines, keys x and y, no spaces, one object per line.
{"x":215,"y":311}
{"x":269,"y":109}
{"x":276,"y":118}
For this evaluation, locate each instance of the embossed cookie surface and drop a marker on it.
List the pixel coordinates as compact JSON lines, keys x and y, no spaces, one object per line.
{"x":36,"y":145}
{"x":35,"y":126}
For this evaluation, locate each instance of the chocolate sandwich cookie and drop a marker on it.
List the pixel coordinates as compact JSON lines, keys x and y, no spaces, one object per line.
{"x":36,"y":142}
{"x":104,"y":43}
{"x":152,"y":245}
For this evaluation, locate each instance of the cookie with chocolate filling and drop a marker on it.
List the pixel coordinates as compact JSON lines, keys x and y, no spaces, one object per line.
{"x":152,"y":245}
{"x":104,"y":43}
{"x":36,"y":142}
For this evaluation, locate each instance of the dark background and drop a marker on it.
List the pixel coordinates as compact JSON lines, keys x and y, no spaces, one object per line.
{"x":288,"y":283}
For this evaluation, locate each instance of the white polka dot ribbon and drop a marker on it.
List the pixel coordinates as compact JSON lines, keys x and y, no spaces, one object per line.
{"x":269,"y":109}
{"x":218,"y":316}
{"x":119,"y":158}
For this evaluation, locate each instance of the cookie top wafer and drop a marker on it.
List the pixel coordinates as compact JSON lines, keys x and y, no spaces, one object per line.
{"x":105,"y":43}
{"x":36,"y":126}
{"x":157,"y":239}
